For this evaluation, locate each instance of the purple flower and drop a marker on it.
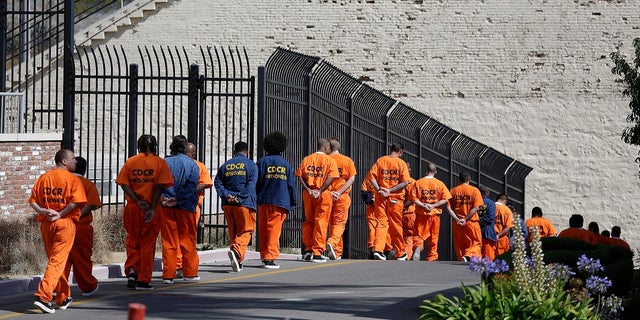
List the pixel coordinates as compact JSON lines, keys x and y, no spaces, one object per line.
{"x":597,"y":284}
{"x":588,"y":265}
{"x":486,"y":266}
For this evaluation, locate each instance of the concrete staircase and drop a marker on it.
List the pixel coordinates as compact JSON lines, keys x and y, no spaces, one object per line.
{"x":126,"y":17}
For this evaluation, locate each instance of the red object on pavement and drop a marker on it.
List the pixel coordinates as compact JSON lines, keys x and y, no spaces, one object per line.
{"x":136,"y":311}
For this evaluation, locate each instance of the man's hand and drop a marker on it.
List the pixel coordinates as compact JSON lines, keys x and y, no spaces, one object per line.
{"x":148,"y":215}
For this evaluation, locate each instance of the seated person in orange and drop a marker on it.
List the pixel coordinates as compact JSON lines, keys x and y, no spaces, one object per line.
{"x":593,"y":227}
{"x":576,"y":231}
{"x":615,"y":238}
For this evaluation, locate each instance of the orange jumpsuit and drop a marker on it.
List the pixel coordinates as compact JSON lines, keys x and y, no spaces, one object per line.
{"x":340,"y":207}
{"x":619,"y":242}
{"x":315,"y":169}
{"x":371,"y":221}
{"x":504,"y":219}
{"x":467,"y":239}
{"x":408,"y":219}
{"x":143,"y":173}
{"x":545,"y":227}
{"x":427,"y":226}
{"x":55,"y":190}
{"x":580,"y":234}
{"x":388,"y":172}
{"x":204,"y":179}
{"x":82,"y":250}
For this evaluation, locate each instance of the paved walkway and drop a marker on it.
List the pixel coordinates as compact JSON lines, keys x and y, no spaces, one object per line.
{"x":342,"y":289}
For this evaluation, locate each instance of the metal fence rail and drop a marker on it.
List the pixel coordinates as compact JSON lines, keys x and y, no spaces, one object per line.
{"x":12,"y":112}
{"x":310,"y":98}
{"x":160,"y":92}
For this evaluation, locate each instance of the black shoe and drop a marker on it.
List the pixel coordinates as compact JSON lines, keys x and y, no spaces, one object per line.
{"x":319,"y":259}
{"x":131,"y":280}
{"x":403,"y":257}
{"x":390,"y":254}
{"x":379,"y":256}
{"x":46,"y":307}
{"x":143,"y":286}
{"x":235,"y":265}
{"x":307,"y":256}
{"x":66,"y":303}
{"x":270,"y":264}
{"x":466,"y":259}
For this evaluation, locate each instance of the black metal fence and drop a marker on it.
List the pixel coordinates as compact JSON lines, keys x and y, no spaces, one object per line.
{"x":163,"y":94}
{"x":307,"y":98}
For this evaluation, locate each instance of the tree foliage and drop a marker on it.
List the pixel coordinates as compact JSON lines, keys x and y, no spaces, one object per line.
{"x":631,"y":78}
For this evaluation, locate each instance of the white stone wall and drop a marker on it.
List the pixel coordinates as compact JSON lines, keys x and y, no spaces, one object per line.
{"x":530,"y":78}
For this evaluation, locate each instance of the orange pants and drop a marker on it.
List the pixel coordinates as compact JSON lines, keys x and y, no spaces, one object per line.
{"x":502,"y":245}
{"x":270,"y":219}
{"x":389,"y":220}
{"x":80,"y":258}
{"x":408,"y":222}
{"x":338,"y":221}
{"x":371,"y":224}
{"x":58,"y":237}
{"x":140,"y":241}
{"x":488,"y":248}
{"x":427,"y":228}
{"x":178,"y":234}
{"x":241,"y":222}
{"x":316,"y":222}
{"x":467,"y":239}
{"x":197,"y":222}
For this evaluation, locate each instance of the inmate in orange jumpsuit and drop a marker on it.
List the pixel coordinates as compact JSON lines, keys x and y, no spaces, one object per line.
{"x":504,"y":219}
{"x":204,"y":182}
{"x":82,"y":250}
{"x":314,"y":170}
{"x":340,"y":208}
{"x":545,"y":227}
{"x":143,"y":173}
{"x":408,"y":218}
{"x":55,"y":190}
{"x":467,"y":239}
{"x":428,"y":190}
{"x":388,"y":172}
{"x":619,"y":242}
{"x":580,"y":234}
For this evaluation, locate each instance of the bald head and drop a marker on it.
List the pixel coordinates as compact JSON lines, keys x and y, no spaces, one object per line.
{"x":431,"y":169}
{"x":190,"y":150}
{"x":323,"y":145}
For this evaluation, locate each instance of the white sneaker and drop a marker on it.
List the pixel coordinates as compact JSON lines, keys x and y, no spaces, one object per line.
{"x":235,"y":265}
{"x":192,"y":279}
{"x":416,"y":254}
{"x":403,"y":257}
{"x":167,"y":281}
{"x":331,"y":254}
{"x":379,"y":256}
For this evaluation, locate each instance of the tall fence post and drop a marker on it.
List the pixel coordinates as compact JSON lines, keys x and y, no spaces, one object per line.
{"x":133,"y":110}
{"x":192,"y":109}
{"x":3,"y":52}
{"x":68,"y":105}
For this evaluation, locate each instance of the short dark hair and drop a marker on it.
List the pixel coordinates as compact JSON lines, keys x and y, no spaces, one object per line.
{"x":81,"y":166}
{"x":594,"y":227}
{"x":501,"y":196}
{"x":615,"y":231}
{"x":275,"y":143}
{"x":483,"y":190}
{"x":178,"y":144}
{"x":536,"y":212}
{"x":576,"y":221}
{"x":147,"y":144}
{"x":397,"y":147}
{"x":240,"y":146}
{"x":465,"y":176}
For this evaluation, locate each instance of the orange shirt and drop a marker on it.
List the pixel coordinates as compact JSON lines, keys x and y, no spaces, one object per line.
{"x":580,"y":234}
{"x":388,"y":172}
{"x":93,"y":197}
{"x":504,"y":218}
{"x":143,"y":173}
{"x":602,"y":239}
{"x":56,"y":189}
{"x":204,"y":178}
{"x":316,"y":168}
{"x":429,"y":190}
{"x":545,"y":227}
{"x":465,"y":197}
{"x":411,"y":208}
{"x":367,"y":186}
{"x":619,"y":242}
{"x":346,"y":170}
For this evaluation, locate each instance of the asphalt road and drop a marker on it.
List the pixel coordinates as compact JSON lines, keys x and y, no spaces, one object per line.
{"x":343,"y":289}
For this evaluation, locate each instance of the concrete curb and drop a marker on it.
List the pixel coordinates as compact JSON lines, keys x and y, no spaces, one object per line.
{"x":111,"y":271}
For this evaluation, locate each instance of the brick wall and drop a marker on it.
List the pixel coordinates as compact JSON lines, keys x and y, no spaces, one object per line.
{"x":23,"y":158}
{"x":531,"y":79}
